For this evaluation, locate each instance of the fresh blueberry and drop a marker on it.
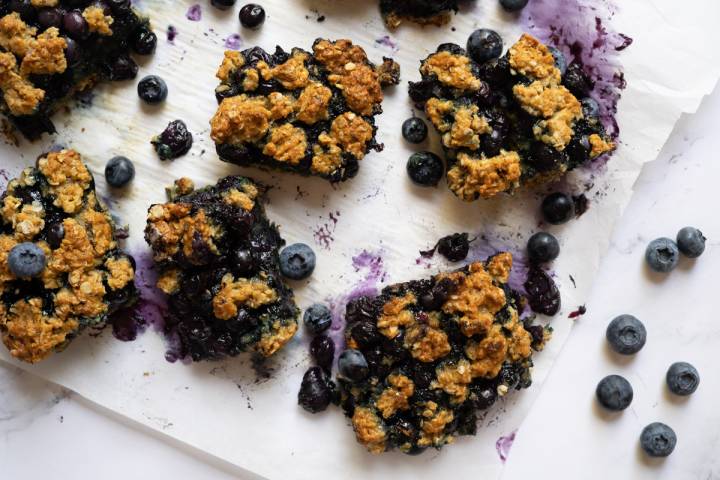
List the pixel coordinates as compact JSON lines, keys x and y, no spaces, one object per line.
{"x":658,"y":440}
{"x":626,"y":334}
{"x":122,"y":67}
{"x":55,"y":234}
{"x":316,"y":390}
{"x":322,"y":349}
{"x":26,"y":260}
{"x":614,"y":393}
{"x":425,"y":168}
{"x":174,"y":141}
{"x":542,"y":293}
{"x":577,"y":81}
{"x":543,"y":247}
{"x":297,"y":261}
{"x":590,"y":107}
{"x":558,"y":208}
{"x":75,"y":24}
{"x":484,"y":44}
{"x":145,"y":41}
{"x":244,"y":263}
{"x":662,"y":255}
{"x":513,"y":5}
{"x":119,"y":171}
{"x":252,"y":15}
{"x":72,"y":52}
{"x":223,"y":4}
{"x":682,"y":378}
{"x":454,"y":247}
{"x":352,"y":365}
{"x":152,"y":89}
{"x":317,"y":318}
{"x":691,"y":242}
{"x":414,"y":130}
{"x":560,"y":60}
{"x":50,"y":17}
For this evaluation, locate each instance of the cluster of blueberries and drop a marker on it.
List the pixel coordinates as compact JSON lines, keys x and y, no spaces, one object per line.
{"x":626,"y":335}
{"x":663,"y":254}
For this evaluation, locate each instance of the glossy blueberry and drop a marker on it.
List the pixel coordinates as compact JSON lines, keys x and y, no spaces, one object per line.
{"x":359,"y":310}
{"x":55,"y":234}
{"x":252,"y":15}
{"x":662,"y":255}
{"x":244,"y":263}
{"x":558,"y":208}
{"x":560,"y":60}
{"x":543,"y":247}
{"x":513,"y":5}
{"x":365,"y":334}
{"x":50,"y":17}
{"x":577,"y":81}
{"x":174,"y":141}
{"x":317,"y":318}
{"x":614,"y":393}
{"x":119,"y":171}
{"x":72,"y":52}
{"x":590,"y":107}
{"x":315,"y":390}
{"x":122,"y":68}
{"x":626,"y":334}
{"x":152,"y":89}
{"x":223,"y":4}
{"x":691,"y":242}
{"x":414,"y":130}
{"x":297,"y":261}
{"x":322,"y":349}
{"x":26,"y":260}
{"x":145,"y":41}
{"x":658,"y":440}
{"x":542,"y":293}
{"x":425,"y":169}
{"x":484,"y":44}
{"x":352,"y":365}
{"x":485,"y":397}
{"x":75,"y":25}
{"x":682,"y":378}
{"x":454,"y":247}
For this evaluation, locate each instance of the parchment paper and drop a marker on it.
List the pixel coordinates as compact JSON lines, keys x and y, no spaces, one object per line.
{"x":222,"y":408}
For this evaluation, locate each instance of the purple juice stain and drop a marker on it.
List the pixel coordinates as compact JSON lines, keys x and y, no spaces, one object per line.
{"x":194,"y":13}
{"x":233,"y":42}
{"x":579,"y":28}
{"x":323,"y":233}
{"x":504,"y":444}
{"x":172,"y":33}
{"x":387,"y":41}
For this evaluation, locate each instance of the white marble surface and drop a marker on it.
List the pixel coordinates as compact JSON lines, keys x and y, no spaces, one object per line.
{"x":45,"y":430}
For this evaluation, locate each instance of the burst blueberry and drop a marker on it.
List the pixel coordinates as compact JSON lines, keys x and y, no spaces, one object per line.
{"x":484,"y":44}
{"x":322,"y":350}
{"x":26,"y":260}
{"x":558,"y":208}
{"x":317,"y":318}
{"x":425,"y":169}
{"x":658,"y":440}
{"x":543,"y":247}
{"x":454,"y":247}
{"x":353,"y":365}
{"x":297,"y":261}
{"x":119,"y":171}
{"x":252,"y":15}
{"x":691,"y":242}
{"x":315,"y":390}
{"x":614,"y":393}
{"x":152,"y":89}
{"x":414,"y":130}
{"x":590,"y":107}
{"x":682,"y":378}
{"x":626,"y":334}
{"x":662,"y":255}
{"x":175,"y":141}
{"x":542,"y":293}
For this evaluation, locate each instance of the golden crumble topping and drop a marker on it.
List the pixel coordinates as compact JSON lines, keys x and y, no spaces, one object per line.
{"x":120,"y":272}
{"x":599,"y":146}
{"x":279,"y":335}
{"x":251,"y":79}
{"x":182,"y":186}
{"x":44,"y":3}
{"x":369,"y":430}
{"x":327,"y":156}
{"x":336,"y":55}
{"x":240,"y":119}
{"x":235,"y":292}
{"x":97,"y":21}
{"x":466,"y":129}
{"x":426,"y":343}
{"x":360,"y":87}
{"x":173,"y":228}
{"x":488,"y":355}
{"x":396,"y":396}
{"x":433,"y":425}
{"x":484,"y":177}
{"x":292,"y":74}
{"x":280,"y":105}
{"x":169,"y":281}
{"x":231,"y":62}
{"x":499,"y":267}
{"x":531,"y":58}
{"x":394,"y":315}
{"x":68,"y":178}
{"x":556,"y":105}
{"x":46,"y":55}
{"x":454,"y":379}
{"x":352,"y":133}
{"x":452,"y":70}
{"x":286,"y":144}
{"x":312,"y":105}
{"x":15,"y":35}
{"x":21,"y":97}
{"x":240,"y":199}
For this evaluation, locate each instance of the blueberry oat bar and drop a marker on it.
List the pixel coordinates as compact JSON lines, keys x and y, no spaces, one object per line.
{"x":507,"y":122}
{"x":439,"y":351}
{"x":217,"y":260}
{"x":60,"y":266}
{"x":424,"y":12}
{"x":53,"y":49}
{"x":308,"y":113}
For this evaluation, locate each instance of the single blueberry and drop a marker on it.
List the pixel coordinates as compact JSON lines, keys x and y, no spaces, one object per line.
{"x":317,"y":318}
{"x":244,"y":262}
{"x":484,"y":44}
{"x":662,"y":255}
{"x":121,"y":68}
{"x":454,"y":247}
{"x":577,"y":81}
{"x":682,"y":378}
{"x":691,"y":242}
{"x":614,"y":393}
{"x":72,"y":52}
{"x":50,"y":17}
{"x":513,"y":5}
{"x":315,"y":390}
{"x":365,"y":334}
{"x":297,"y":261}
{"x":425,"y":169}
{"x":590,"y":107}
{"x":352,"y":365}
{"x":658,"y":440}
{"x":626,"y":334}
{"x":543,"y":247}
{"x":560,"y":60}
{"x":542,"y":293}
{"x":322,"y":349}
{"x":144,"y":41}
{"x":55,"y":234}
{"x":414,"y":130}
{"x":119,"y":171}
{"x":75,"y":24}
{"x":223,"y":4}
{"x":175,"y":141}
{"x":252,"y":15}
{"x":152,"y":89}
{"x":558,"y":208}
{"x":26,"y":260}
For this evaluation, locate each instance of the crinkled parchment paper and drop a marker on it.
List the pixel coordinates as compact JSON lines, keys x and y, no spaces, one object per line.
{"x":223,"y":408}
